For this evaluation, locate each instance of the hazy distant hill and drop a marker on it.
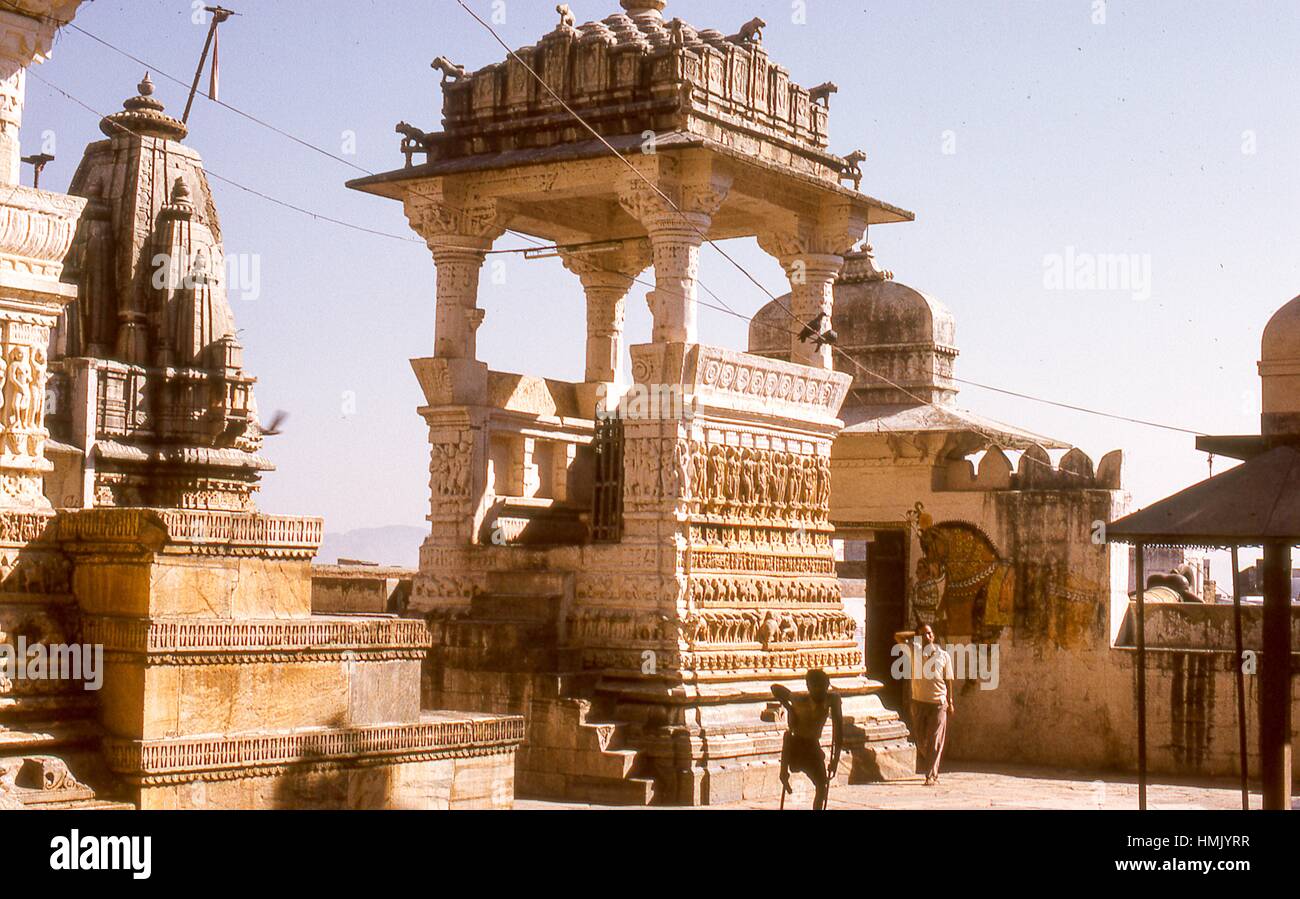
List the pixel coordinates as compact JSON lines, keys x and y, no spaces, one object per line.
{"x":394,"y":545}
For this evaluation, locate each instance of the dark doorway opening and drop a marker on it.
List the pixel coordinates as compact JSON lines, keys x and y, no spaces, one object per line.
{"x":886,"y":611}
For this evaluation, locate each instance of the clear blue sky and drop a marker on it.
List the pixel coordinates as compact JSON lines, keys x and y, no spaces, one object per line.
{"x":1122,"y":137}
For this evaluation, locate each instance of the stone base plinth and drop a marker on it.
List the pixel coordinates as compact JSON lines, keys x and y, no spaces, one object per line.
{"x":222,"y":690}
{"x":170,"y":563}
{"x":443,"y":761}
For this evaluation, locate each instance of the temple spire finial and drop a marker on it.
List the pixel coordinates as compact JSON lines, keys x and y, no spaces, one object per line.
{"x":638,"y":7}
{"x":145,"y":87}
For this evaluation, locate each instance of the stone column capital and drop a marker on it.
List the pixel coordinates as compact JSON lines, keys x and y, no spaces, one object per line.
{"x":609,"y":267}
{"x":446,"y":220}
{"x":832,"y":232}
{"x":667,"y":204}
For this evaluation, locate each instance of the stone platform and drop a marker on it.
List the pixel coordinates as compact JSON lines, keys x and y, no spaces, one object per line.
{"x":222,"y":690}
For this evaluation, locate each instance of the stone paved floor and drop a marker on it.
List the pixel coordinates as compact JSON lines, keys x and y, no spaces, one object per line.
{"x":1004,"y":788}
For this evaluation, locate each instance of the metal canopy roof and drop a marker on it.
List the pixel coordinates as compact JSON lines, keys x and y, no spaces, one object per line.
{"x":1257,"y":502}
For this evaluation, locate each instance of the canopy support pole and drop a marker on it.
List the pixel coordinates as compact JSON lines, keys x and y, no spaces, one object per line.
{"x":1275,"y":679}
{"x":1142,"y":675}
{"x":1239,"y":669}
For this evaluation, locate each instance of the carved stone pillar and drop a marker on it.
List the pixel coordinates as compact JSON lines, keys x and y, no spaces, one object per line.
{"x":676,"y":233}
{"x":36,"y":230}
{"x":459,"y":231}
{"x":606,"y":278}
{"x":811,"y":250}
{"x":26,"y":32}
{"x":606,"y":314}
{"x":13,"y":81}
{"x":812,"y":302}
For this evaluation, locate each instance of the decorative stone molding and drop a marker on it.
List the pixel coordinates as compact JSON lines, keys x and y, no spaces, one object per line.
{"x":739,"y":561}
{"x":833,"y":661}
{"x":767,"y":385}
{"x":163,"y":641}
{"x":764,"y":592}
{"x":189,"y":532}
{"x":36,"y":231}
{"x":245,"y":755}
{"x":768,"y":627}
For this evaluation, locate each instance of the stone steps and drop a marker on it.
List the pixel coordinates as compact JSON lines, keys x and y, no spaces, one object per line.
{"x":632,"y":791}
{"x":85,"y":805}
{"x":61,"y":705}
{"x":580,"y":760}
{"x":41,"y":737}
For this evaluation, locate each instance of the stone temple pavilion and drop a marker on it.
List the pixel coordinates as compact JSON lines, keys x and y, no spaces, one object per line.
{"x":631,"y":581}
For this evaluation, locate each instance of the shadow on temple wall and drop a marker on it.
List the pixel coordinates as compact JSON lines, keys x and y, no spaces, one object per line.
{"x":315,"y":781}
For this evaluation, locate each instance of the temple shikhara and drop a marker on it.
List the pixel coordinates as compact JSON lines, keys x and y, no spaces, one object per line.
{"x":617,"y":570}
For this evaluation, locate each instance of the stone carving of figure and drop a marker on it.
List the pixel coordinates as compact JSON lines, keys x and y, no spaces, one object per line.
{"x":780,"y":474}
{"x":717,"y":476}
{"x":4,"y":384}
{"x":40,"y":368}
{"x":767,"y":631}
{"x":460,"y":478}
{"x":733,"y":475}
{"x":682,"y":465}
{"x":824,"y":485}
{"x":17,"y":396}
{"x":810,"y":486}
{"x":762,"y":483}
{"x":794,"y":485}
{"x":699,"y":475}
{"x":747,"y":492}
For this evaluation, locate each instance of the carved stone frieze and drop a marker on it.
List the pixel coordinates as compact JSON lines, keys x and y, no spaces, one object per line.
{"x":204,"y":758}
{"x":768,"y":627}
{"x":451,"y":459}
{"x":724,"y":591}
{"x":768,"y":383}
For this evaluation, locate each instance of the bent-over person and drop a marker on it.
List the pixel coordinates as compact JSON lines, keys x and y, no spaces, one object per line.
{"x":801,"y":747}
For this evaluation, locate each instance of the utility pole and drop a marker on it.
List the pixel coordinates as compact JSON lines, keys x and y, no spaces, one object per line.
{"x":38,"y":164}
{"x":219,"y":15}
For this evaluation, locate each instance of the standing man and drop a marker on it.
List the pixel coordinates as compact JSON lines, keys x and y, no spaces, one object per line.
{"x":801,"y":748}
{"x":930,"y":668}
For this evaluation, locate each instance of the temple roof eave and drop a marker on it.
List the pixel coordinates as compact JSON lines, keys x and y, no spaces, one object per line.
{"x":934,"y":418}
{"x":395,"y":184}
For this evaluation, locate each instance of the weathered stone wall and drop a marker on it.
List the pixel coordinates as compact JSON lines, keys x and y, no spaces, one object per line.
{"x":367,"y":589}
{"x":1066,"y":688}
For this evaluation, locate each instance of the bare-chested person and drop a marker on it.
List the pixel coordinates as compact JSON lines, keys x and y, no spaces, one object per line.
{"x":801,"y":749}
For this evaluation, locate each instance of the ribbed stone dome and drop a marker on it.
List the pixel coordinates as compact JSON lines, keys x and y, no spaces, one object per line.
{"x":1279,"y":371}
{"x":1282,"y":335}
{"x":888,"y":327}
